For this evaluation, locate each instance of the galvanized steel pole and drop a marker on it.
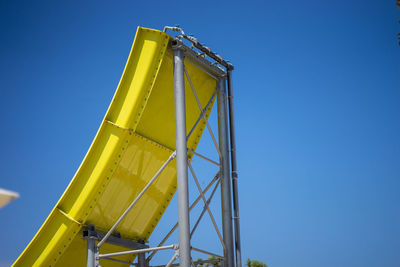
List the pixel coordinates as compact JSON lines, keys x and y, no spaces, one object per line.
{"x":225,"y":175}
{"x":91,"y":252}
{"x":141,"y":260}
{"x":235,"y":192}
{"x":181,"y":159}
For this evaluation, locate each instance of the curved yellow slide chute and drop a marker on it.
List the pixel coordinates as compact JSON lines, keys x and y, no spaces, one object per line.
{"x":135,"y":138}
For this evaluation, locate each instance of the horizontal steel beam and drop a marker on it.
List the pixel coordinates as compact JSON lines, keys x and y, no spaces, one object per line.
{"x":196,"y":263}
{"x":137,"y":251}
{"x":198,"y":60}
{"x":90,"y":233}
{"x":121,"y":261}
{"x":204,"y":49}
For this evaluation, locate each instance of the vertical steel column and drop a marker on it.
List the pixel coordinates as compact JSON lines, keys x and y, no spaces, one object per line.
{"x":141,"y":260}
{"x":225,"y":177}
{"x":181,"y":159}
{"x":91,"y":252}
{"x":235,"y":192}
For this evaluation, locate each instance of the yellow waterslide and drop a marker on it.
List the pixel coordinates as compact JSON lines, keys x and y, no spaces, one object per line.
{"x":135,"y":138}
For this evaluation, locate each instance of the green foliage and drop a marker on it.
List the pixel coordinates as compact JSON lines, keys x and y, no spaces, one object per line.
{"x":250,"y":263}
{"x":216,"y":264}
{"x":199,"y":265}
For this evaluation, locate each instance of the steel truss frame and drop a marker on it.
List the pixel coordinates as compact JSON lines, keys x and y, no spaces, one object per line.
{"x":226,"y":142}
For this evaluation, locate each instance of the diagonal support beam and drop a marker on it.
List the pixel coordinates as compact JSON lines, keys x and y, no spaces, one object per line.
{"x":204,"y":157}
{"x":204,"y":115}
{"x":204,"y":210}
{"x":207,"y":252}
{"x":174,"y":257}
{"x":216,"y":177}
{"x":171,"y":157}
{"x":208,"y":208}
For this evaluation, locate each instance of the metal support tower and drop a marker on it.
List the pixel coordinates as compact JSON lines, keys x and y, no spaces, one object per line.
{"x":226,"y":142}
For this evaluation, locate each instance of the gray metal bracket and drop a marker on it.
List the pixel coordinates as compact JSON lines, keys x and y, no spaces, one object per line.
{"x":115,"y":239}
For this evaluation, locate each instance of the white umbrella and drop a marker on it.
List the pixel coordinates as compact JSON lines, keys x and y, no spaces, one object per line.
{"x":6,"y":196}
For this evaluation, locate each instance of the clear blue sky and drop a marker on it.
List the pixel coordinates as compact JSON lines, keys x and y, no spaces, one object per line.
{"x":317,"y":87}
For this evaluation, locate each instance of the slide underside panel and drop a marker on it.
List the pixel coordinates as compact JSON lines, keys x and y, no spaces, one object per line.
{"x":135,"y":138}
